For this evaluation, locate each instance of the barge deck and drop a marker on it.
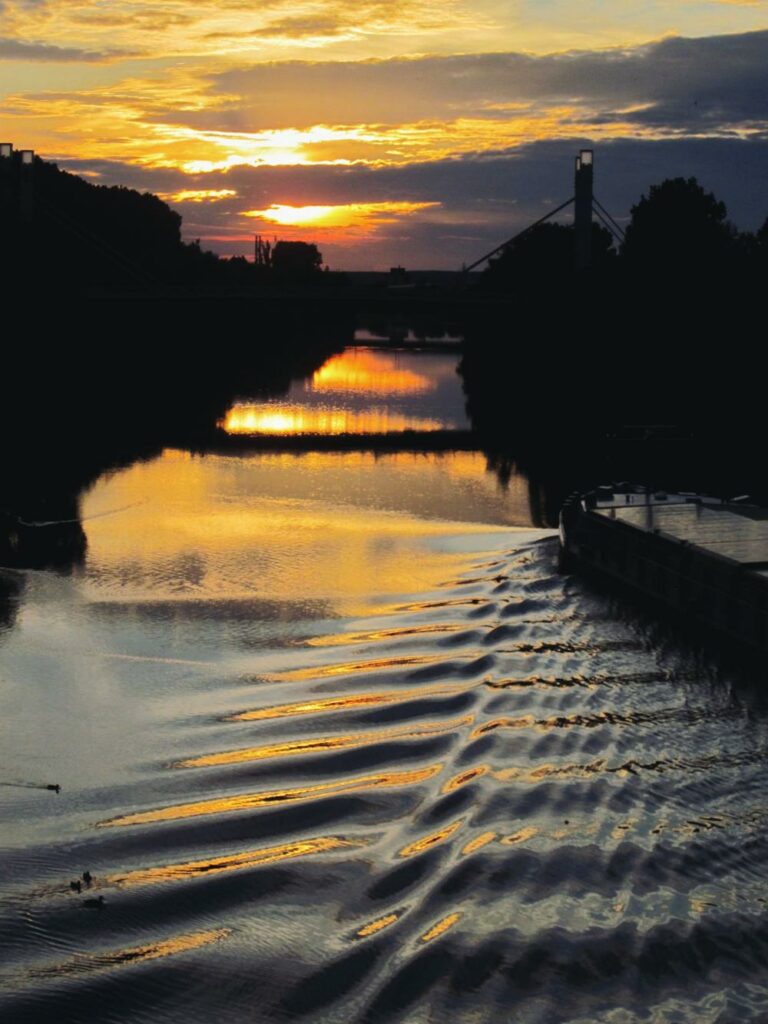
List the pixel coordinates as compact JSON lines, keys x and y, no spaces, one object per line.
{"x":703,"y":558}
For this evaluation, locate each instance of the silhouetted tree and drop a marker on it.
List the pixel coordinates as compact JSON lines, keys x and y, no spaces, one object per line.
{"x":262,"y":252}
{"x":74,"y":235}
{"x":679,"y":227}
{"x":545,"y":253}
{"x":761,"y":243}
{"x":295,"y":261}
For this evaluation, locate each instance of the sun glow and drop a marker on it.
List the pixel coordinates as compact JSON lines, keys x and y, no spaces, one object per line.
{"x":287,"y":147}
{"x":306,"y":109}
{"x":345,"y":215}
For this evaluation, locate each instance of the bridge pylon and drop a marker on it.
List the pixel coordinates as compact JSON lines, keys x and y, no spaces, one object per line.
{"x":583,"y":198}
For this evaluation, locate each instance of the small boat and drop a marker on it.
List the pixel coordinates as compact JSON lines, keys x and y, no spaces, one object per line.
{"x":702,"y":557}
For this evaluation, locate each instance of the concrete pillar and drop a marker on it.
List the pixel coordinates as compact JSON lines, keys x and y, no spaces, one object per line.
{"x":27,"y":185}
{"x":583,"y":214}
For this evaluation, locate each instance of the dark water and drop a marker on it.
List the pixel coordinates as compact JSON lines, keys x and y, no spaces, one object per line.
{"x":338,"y":743}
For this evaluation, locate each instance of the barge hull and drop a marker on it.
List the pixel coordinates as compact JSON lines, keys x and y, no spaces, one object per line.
{"x":708,"y":589}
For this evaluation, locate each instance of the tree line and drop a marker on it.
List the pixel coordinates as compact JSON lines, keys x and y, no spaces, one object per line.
{"x":65,"y":233}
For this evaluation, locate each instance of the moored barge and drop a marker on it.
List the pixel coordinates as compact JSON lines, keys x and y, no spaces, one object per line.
{"x":700,"y":557}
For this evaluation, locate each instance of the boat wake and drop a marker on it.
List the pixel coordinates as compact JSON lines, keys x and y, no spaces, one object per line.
{"x":503,"y":799}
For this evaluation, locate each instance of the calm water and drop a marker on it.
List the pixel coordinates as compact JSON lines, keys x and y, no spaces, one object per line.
{"x":362,"y":391}
{"x":337,"y":743}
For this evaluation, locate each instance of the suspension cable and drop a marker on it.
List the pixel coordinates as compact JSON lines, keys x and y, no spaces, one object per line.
{"x":520,"y":234}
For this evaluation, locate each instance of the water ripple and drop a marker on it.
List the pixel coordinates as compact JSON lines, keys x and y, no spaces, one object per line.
{"x":498,"y":800}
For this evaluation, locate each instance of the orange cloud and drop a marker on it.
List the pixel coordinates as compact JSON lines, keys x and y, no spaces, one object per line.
{"x":198,"y":195}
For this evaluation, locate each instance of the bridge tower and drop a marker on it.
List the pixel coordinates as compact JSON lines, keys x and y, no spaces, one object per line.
{"x":27,"y":185}
{"x":583,"y":211}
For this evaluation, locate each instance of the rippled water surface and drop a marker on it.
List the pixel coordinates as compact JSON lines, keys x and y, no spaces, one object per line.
{"x":338,"y":743}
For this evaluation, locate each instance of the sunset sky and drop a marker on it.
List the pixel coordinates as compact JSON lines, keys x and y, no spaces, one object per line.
{"x":389,"y":131}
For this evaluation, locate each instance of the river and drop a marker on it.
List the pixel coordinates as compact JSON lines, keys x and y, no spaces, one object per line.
{"x":337,"y":742}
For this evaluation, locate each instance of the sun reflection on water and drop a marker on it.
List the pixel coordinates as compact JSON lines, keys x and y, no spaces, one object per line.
{"x":86,"y":962}
{"x":360,"y":391}
{"x":376,"y":373}
{"x":248,"y":801}
{"x":250,"y":418}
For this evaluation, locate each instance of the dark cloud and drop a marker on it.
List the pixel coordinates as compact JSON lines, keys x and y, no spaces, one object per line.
{"x":682,"y":83}
{"x":12,"y":49}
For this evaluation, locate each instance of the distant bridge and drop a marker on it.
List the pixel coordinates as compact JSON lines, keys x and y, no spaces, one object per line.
{"x":585,"y":203}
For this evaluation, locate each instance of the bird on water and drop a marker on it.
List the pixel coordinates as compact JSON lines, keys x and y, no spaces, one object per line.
{"x":87,"y":877}
{"x":96,"y":904}
{"x":76,"y":886}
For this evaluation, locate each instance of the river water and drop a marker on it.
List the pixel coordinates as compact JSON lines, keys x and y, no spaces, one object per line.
{"x":338,"y":743}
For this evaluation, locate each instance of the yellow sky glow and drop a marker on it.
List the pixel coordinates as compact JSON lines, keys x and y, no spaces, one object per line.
{"x":348,"y":215}
{"x":169,"y":94}
{"x":127,"y":127}
{"x":197,"y":195}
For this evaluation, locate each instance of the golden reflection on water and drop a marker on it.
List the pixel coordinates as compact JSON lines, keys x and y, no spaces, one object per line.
{"x":567,"y":771}
{"x":319,"y":744}
{"x":466,"y":776}
{"x":85,"y":962}
{"x":520,"y":837}
{"x":343,"y":639}
{"x":378,"y":925}
{"x":330,"y":523}
{"x":441,"y":927}
{"x":375,"y":373}
{"x":427,"y":842}
{"x":274,"y":420}
{"x":353,"y":667}
{"x":478,"y":843}
{"x":526,"y":722}
{"x":233,"y":861}
{"x":246,"y":801}
{"x":360,"y":391}
{"x":346,"y":702}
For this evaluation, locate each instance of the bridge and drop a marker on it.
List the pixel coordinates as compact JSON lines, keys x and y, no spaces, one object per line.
{"x":18,"y":192}
{"x":585,"y":206}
